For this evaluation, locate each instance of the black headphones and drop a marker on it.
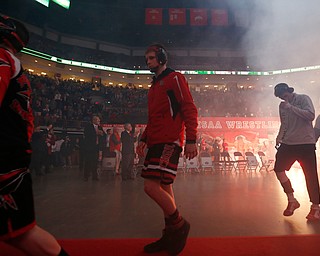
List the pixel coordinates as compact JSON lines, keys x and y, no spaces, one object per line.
{"x":161,"y":55}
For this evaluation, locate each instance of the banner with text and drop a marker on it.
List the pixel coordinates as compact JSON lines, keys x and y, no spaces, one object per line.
{"x":153,"y":16}
{"x":177,"y":16}
{"x":219,"y":17}
{"x":230,"y":127}
{"x":198,"y":17}
{"x":250,"y":127}
{"x":240,"y":133}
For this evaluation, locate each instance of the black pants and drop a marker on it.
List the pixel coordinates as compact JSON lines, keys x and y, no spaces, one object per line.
{"x":91,"y":163}
{"x":306,"y":156}
{"x":127,"y":166}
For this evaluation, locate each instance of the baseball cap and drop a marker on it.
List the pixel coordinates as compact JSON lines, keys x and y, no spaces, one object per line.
{"x":281,"y":88}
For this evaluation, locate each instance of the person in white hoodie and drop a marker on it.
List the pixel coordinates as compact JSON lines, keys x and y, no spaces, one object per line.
{"x":317,"y":128}
{"x":296,"y":142}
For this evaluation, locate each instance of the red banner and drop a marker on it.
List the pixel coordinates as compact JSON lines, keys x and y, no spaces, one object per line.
{"x":241,"y":133}
{"x":153,"y":16}
{"x":177,"y":16}
{"x":231,"y":127}
{"x":198,"y":17}
{"x":219,"y":17}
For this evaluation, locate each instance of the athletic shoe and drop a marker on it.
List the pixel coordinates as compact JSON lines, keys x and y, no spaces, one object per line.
{"x":178,"y":239}
{"x":292,"y":205}
{"x":159,"y":245}
{"x":314,"y":214}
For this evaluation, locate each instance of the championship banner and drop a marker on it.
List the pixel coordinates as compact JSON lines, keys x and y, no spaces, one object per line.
{"x":177,"y":16}
{"x":198,"y":17}
{"x":219,"y":17}
{"x":153,"y":16}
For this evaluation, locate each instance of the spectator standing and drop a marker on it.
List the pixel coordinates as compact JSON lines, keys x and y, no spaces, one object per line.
{"x":93,"y":134}
{"x":216,"y":150}
{"x":58,"y":158}
{"x":49,"y":141}
{"x":128,"y":153}
{"x":115,"y":146}
{"x":106,"y":147}
{"x":66,"y":150}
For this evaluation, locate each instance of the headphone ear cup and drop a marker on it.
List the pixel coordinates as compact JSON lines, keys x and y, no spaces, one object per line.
{"x":161,"y":56}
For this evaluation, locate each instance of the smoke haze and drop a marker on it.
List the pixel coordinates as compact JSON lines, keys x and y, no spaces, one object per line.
{"x":284,"y":34}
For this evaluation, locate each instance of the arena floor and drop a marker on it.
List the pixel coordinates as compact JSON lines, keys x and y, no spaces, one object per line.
{"x":217,"y":204}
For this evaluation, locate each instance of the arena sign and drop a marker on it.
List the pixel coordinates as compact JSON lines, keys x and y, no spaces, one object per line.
{"x":241,"y":133}
{"x":226,"y":124}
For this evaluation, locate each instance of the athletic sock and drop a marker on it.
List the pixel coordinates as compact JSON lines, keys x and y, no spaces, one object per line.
{"x":174,"y":221}
{"x":291,"y":197}
{"x":287,"y":187}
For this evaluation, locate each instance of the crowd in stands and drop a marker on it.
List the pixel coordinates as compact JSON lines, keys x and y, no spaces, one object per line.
{"x":235,"y":102}
{"x":71,"y":103}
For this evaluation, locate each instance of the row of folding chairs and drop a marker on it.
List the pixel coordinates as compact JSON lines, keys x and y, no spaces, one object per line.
{"x":239,"y":162}
{"x":253,"y":164}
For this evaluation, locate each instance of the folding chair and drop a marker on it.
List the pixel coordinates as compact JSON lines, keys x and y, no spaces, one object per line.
{"x":192,"y":164}
{"x":108,"y":164}
{"x":265,"y":162}
{"x":227,"y":163}
{"x":252,"y":162}
{"x":137,"y":166}
{"x":206,"y":161}
{"x":206,"y":164}
{"x":240,"y":163}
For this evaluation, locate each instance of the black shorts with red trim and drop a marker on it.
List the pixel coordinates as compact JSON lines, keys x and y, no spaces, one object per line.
{"x":16,"y":205}
{"x":161,"y":162}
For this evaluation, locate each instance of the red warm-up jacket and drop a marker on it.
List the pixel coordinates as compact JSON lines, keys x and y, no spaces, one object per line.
{"x":171,"y":111}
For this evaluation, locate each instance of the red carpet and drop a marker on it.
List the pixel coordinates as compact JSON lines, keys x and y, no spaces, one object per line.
{"x":299,"y":245}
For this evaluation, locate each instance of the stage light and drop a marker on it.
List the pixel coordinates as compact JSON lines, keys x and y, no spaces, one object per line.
{"x":43,"y":2}
{"x":63,"y":3}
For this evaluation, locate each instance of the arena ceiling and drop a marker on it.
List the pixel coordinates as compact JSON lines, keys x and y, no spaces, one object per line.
{"x":271,"y":39}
